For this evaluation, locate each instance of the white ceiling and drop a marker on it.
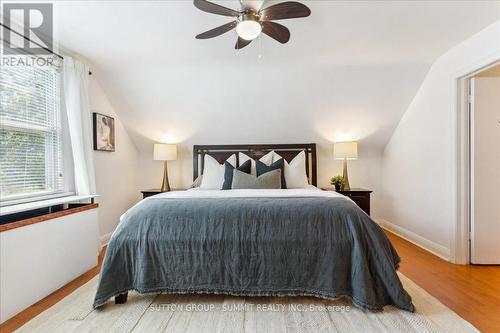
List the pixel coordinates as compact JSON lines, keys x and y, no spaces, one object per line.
{"x":348,"y":72}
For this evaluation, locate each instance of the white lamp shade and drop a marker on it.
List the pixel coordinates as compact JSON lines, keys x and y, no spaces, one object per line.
{"x":164,"y":152}
{"x":249,"y":29}
{"x":345,"y":150}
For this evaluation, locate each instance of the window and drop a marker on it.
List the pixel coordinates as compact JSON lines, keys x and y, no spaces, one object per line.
{"x":30,"y":133}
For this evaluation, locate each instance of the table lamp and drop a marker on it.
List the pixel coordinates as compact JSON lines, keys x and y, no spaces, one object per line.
{"x":345,"y":151}
{"x":165,"y":152}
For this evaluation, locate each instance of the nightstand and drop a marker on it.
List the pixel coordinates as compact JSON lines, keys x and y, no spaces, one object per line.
{"x":148,"y":193}
{"x":359,"y":195}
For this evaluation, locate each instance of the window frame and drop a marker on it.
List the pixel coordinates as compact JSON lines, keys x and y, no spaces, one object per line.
{"x":66,"y":160}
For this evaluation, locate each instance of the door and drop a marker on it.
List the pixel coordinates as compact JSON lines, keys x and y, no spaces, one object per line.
{"x":485,"y":170}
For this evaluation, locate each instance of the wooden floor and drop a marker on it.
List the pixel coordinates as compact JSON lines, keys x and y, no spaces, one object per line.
{"x":471,"y":291}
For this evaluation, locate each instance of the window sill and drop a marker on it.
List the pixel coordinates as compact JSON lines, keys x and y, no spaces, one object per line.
{"x":7,"y":210}
{"x":40,"y":196}
{"x":47,"y":217}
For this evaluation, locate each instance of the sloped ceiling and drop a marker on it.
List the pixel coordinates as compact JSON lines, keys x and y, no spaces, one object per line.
{"x":349,"y":71}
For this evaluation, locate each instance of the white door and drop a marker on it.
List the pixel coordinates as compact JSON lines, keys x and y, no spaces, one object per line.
{"x":485,"y":170}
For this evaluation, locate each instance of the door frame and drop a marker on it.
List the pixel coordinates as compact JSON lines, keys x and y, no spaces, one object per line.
{"x":461,"y":168}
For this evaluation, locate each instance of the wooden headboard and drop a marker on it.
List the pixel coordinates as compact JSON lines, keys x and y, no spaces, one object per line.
{"x":287,"y":151}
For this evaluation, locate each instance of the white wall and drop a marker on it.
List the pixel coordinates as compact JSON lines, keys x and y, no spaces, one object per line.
{"x":116,"y":172}
{"x":418,"y":161}
{"x":38,"y":259}
{"x":312,"y":103}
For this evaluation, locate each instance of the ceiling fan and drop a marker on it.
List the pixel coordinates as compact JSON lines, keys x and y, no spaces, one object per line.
{"x":250,"y":23}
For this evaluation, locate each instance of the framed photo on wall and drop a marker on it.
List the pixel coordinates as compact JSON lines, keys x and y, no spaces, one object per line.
{"x":104,"y":132}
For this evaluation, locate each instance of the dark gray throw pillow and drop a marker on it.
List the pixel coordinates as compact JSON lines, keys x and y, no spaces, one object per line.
{"x":228,"y":173}
{"x":269,"y":180}
{"x":262,"y":168}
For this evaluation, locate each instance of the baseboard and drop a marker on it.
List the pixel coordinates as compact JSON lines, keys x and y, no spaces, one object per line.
{"x":105,"y":239}
{"x":424,"y":243}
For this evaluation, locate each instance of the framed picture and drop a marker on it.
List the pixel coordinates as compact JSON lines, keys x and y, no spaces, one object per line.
{"x":104,"y":132}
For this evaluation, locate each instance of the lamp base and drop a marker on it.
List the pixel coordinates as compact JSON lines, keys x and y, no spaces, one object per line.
{"x":165,"y":187}
{"x":346,"y":187}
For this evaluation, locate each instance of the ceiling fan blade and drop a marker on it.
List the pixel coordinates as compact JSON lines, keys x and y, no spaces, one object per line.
{"x":214,"y":8}
{"x":285,"y":10}
{"x":217,"y":31}
{"x":241,"y":43}
{"x":277,"y":31}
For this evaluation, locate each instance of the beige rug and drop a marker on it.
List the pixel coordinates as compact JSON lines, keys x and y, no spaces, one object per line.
{"x":203,"y":313}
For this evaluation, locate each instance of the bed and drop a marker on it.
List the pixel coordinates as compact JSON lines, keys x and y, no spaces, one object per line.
{"x":265,"y":242}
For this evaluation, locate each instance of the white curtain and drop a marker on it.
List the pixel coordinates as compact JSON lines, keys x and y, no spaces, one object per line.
{"x":76,"y":95}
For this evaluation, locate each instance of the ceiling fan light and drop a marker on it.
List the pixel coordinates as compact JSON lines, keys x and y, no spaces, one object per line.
{"x":249,"y":29}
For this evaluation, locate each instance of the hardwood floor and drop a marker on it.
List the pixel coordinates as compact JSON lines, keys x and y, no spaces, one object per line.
{"x":471,"y":291}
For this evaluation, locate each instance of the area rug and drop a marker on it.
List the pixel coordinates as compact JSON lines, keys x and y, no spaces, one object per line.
{"x":213,"y":313}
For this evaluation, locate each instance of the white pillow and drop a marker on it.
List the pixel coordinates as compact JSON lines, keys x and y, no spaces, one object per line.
{"x":266,"y":159}
{"x":295,"y":171}
{"x":213,"y":172}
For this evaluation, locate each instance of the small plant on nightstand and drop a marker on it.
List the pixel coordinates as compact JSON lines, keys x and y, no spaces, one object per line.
{"x":338,"y":182}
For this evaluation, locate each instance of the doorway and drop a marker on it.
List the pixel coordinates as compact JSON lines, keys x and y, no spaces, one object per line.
{"x":484,"y":166}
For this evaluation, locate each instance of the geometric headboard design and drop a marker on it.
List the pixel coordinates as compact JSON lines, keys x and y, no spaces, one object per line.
{"x":255,"y":151}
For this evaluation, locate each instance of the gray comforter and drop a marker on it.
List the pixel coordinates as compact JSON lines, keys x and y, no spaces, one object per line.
{"x":250,"y":246}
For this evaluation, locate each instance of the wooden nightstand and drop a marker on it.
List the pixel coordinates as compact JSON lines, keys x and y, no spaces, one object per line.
{"x":359,"y":195}
{"x":148,"y":193}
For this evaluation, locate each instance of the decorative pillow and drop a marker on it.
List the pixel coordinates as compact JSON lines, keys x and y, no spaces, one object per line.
{"x":197,"y":182}
{"x":228,"y":173}
{"x":268,"y":180}
{"x":295,"y":171}
{"x":266,"y":159}
{"x":261,"y":169}
{"x":213,"y":172}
